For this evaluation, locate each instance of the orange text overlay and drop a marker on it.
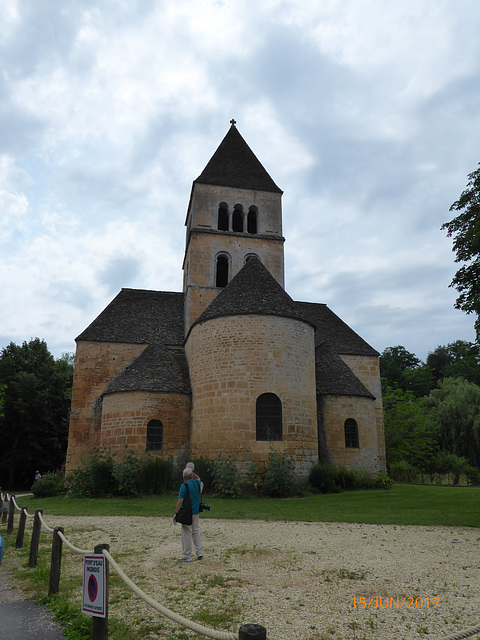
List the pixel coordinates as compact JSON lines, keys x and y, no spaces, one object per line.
{"x":386,"y":602}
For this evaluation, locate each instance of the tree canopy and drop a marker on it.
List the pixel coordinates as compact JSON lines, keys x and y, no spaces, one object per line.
{"x":465,"y":229}
{"x":34,"y":414}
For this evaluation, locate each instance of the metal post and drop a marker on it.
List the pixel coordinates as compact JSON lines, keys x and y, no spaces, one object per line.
{"x":21,"y":529}
{"x":35,"y":541}
{"x":55,"y":562}
{"x":100,"y":625}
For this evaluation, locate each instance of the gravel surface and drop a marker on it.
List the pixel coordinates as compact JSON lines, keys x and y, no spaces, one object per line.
{"x":305,"y":581}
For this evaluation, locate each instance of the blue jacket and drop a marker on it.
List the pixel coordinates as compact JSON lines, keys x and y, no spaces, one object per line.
{"x":195,"y":496}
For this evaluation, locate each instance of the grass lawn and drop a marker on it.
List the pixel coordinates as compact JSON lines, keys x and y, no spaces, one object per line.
{"x":402,"y":505}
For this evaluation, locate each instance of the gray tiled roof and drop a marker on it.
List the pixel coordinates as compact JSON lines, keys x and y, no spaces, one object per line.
{"x":137,"y":316}
{"x":158,"y":368}
{"x":235,"y":165}
{"x":330,"y":328}
{"x":252,"y":291}
{"x":334,"y":377}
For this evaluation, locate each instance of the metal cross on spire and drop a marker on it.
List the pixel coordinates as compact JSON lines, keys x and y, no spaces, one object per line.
{"x":233,"y":122}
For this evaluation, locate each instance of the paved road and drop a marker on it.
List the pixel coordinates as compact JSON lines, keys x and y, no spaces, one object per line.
{"x":22,"y":619}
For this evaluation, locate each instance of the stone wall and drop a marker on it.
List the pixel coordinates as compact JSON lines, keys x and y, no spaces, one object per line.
{"x":232,"y":361}
{"x":368,"y":457}
{"x":125,"y":417}
{"x":96,"y":363}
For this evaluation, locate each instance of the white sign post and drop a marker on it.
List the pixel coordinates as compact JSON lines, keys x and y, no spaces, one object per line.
{"x":93,"y":601}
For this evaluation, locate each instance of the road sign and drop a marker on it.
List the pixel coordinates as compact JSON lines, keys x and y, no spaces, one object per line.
{"x":93,"y":601}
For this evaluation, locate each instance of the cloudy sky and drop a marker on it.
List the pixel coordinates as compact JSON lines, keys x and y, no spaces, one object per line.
{"x":365,"y":112}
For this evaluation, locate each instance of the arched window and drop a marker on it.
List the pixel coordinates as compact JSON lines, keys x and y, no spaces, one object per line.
{"x":154,"y":436}
{"x":250,"y":256}
{"x":252,"y":220}
{"x":223,"y":217}
{"x":237,"y":222}
{"x":221,"y":275}
{"x":269,"y":417}
{"x":351,"y":434}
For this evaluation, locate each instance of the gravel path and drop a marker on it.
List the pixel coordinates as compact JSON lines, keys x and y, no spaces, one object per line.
{"x":305,"y":581}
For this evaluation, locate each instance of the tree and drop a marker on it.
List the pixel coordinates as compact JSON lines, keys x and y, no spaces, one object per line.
{"x":457,"y":408}
{"x":36,"y":403}
{"x":394,"y":362}
{"x":459,"y":359}
{"x":465,"y":229}
{"x":411,"y":432}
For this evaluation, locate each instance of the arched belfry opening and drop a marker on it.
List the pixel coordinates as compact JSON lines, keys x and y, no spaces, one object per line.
{"x":237,"y":221}
{"x":221,"y":271}
{"x":223,"y":221}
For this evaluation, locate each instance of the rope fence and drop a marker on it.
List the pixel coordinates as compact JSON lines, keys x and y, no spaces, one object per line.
{"x":100,"y":625}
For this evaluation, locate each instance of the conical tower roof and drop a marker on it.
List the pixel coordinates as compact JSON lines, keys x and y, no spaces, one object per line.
{"x":252,"y":291}
{"x":235,"y":165}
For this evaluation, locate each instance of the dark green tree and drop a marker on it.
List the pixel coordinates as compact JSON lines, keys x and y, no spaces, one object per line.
{"x":394,"y":362}
{"x":459,"y":359}
{"x":36,"y":404}
{"x":465,"y":230}
{"x":411,"y":431}
{"x":457,"y":408}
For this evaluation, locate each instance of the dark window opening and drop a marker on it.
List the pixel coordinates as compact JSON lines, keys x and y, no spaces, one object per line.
{"x":252,"y":220}
{"x":222,"y":272}
{"x":154,"y":435}
{"x":237,"y":221}
{"x":269,"y":417}
{"x":351,"y":434}
{"x":223,"y":217}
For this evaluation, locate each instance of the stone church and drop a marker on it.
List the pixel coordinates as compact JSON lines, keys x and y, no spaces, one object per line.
{"x":231,"y":364}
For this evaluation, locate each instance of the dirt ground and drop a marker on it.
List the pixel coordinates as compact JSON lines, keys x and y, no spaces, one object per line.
{"x":301,"y":581}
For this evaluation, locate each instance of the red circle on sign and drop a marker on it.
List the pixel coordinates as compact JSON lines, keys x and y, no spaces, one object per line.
{"x":92,"y":588}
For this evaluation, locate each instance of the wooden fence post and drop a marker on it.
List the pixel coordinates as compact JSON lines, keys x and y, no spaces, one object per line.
{"x":55,"y":562}
{"x":35,"y":541}
{"x":21,"y":529}
{"x":4,"y":513}
{"x":252,"y":632}
{"x":100,"y":625}
{"x":11,"y":514}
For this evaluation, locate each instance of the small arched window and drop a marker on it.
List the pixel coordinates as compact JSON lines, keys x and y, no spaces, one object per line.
{"x":154,"y":435}
{"x":268,"y":417}
{"x":252,"y":220}
{"x":237,"y":221}
{"x":221,"y":274}
{"x":223,"y":217}
{"x":251,"y":256}
{"x":351,"y":434}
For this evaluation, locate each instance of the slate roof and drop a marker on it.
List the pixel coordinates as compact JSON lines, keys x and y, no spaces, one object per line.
{"x":331,"y":329}
{"x":137,"y":316}
{"x":158,"y":368}
{"x":334,"y":377}
{"x":235,"y":165}
{"x":252,"y":291}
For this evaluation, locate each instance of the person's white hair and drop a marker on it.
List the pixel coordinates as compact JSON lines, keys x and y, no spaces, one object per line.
{"x":187,"y":473}
{"x":190,"y":465}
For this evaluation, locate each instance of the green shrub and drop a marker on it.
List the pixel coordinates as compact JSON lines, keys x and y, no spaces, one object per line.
{"x":347,"y":478}
{"x":472,"y":475}
{"x":154,"y":475}
{"x":323,"y":479}
{"x":50,"y":485}
{"x":275,"y":477}
{"x":403,"y":471}
{"x":203,"y":469}
{"x":226,"y":478}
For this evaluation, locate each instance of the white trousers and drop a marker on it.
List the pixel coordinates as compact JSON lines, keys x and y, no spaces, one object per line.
{"x":191,"y":534}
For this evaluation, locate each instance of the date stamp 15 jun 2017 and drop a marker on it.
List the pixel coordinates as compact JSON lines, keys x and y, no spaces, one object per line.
{"x":389,"y":602}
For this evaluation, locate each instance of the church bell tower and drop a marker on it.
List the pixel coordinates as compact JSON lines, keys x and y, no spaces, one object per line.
{"x":234,"y":213}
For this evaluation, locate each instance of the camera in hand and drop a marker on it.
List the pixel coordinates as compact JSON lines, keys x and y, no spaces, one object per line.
{"x":204,"y":507}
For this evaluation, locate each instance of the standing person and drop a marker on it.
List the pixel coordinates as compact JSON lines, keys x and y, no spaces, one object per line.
{"x":190,"y":532}
{"x":38,"y":476}
{"x":190,"y":465}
